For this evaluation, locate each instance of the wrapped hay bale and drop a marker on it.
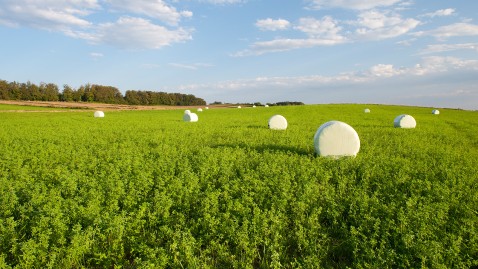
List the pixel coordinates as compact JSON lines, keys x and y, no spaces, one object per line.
{"x":266,"y":106}
{"x":404,"y":121}
{"x":199,"y":109}
{"x":238,"y":106}
{"x":435,"y":112}
{"x":207,"y":107}
{"x":336,"y":139}
{"x":99,"y":114}
{"x":187,"y":111}
{"x":366,"y":110}
{"x":277,"y":122}
{"x":191,"y":117}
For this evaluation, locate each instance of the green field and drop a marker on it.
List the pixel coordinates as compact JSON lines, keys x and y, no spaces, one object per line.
{"x":143,"y":189}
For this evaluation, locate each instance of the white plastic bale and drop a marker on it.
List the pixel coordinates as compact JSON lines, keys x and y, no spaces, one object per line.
{"x":336,"y":139}
{"x":253,"y":106}
{"x":199,"y":109}
{"x":404,"y":121}
{"x":238,"y":106}
{"x":266,"y":106}
{"x":207,"y":107}
{"x":435,"y":112}
{"x":99,"y":114}
{"x":191,"y":117}
{"x":277,"y":122}
{"x":366,"y":110}
{"x":187,"y":111}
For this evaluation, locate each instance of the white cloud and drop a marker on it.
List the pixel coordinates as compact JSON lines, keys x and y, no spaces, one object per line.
{"x":407,"y":42}
{"x":50,"y":15}
{"x":440,"y":13}
{"x":136,"y":33}
{"x":154,"y":9}
{"x":374,"y":19}
{"x":371,"y":25}
{"x":272,"y":25}
{"x":353,"y":4}
{"x":384,"y":70}
{"x":456,"y":29}
{"x":323,"y":32}
{"x":194,"y":66}
{"x":382,"y":83}
{"x":428,"y":65}
{"x":96,"y":54}
{"x":278,"y":45}
{"x":70,"y":17}
{"x":327,"y":28}
{"x":404,"y":5}
{"x":437,"y":48}
{"x":441,"y":64}
{"x":222,"y":2}
{"x":375,"y":25}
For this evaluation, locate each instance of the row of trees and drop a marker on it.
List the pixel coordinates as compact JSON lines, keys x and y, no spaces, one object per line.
{"x":162,"y":98}
{"x":92,"y":93}
{"x":285,"y":103}
{"x":288,"y":103}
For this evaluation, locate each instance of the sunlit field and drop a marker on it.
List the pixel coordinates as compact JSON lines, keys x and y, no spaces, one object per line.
{"x":143,"y":189}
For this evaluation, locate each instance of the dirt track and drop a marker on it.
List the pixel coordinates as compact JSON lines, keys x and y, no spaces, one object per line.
{"x":96,"y":106}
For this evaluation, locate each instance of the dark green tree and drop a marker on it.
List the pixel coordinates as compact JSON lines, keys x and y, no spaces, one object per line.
{"x":68,"y":94}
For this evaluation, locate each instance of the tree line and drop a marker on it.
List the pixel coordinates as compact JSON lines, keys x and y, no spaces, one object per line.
{"x":92,"y":93}
{"x":285,"y":103}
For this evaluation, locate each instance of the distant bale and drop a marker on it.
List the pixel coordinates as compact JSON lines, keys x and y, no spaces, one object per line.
{"x":254,"y":106}
{"x":266,"y":106}
{"x":99,"y":114}
{"x":277,"y":122}
{"x":187,"y":111}
{"x":435,"y":112}
{"x":336,"y":139}
{"x":199,"y":109}
{"x":238,"y":106}
{"x":207,"y":107}
{"x":404,"y":121}
{"x":191,"y":117}
{"x":366,"y":110}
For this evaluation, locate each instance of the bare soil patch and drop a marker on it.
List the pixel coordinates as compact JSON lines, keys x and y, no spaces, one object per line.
{"x":90,"y":106}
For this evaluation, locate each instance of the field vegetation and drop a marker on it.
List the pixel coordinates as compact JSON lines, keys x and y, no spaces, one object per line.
{"x":143,"y":189}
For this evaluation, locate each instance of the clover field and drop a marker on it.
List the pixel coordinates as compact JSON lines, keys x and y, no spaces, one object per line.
{"x":143,"y":189}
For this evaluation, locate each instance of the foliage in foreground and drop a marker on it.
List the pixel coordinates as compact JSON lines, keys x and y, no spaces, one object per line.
{"x":145,"y":190}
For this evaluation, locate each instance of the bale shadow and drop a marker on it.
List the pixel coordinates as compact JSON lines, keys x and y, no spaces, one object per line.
{"x":257,"y":127}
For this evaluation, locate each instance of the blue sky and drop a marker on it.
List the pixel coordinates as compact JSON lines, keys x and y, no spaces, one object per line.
{"x":316,"y":51}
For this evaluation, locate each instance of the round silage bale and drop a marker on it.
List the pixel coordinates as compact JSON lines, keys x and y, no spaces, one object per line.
{"x":99,"y":114}
{"x":238,"y":106}
{"x":191,"y":117}
{"x":187,"y":111}
{"x":366,"y":110}
{"x":266,"y":106}
{"x":199,"y":109}
{"x":277,"y":122}
{"x":336,"y":139}
{"x":404,"y":121}
{"x":435,"y":112}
